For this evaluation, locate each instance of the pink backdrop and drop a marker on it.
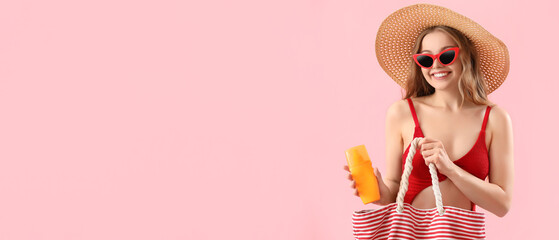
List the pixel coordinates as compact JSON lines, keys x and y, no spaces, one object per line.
{"x":229,"y":120}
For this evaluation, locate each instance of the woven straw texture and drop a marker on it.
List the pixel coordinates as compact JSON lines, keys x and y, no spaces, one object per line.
{"x":398,"y":32}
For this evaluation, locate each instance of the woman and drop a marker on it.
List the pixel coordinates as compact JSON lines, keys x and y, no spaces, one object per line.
{"x":452,"y":68}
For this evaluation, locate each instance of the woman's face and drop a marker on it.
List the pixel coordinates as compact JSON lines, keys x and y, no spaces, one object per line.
{"x":434,"y":43}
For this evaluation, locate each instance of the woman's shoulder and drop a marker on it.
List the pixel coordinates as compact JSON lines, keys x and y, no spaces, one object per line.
{"x":418,"y":100}
{"x":397,"y":108}
{"x":398,"y":111}
{"x":499,"y":128}
{"x":401,"y":108}
{"x":397,"y":115}
{"x":498,"y":118}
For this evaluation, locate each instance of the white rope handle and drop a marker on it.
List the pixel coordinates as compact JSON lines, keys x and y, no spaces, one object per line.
{"x":405,"y":180}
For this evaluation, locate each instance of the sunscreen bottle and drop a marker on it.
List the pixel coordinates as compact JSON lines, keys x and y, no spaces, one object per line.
{"x":363,"y":174}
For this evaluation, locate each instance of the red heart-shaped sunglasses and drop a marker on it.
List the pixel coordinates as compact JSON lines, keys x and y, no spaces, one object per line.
{"x":446,"y":57}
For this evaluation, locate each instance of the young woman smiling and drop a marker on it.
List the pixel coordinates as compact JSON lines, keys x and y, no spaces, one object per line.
{"x":447,"y":74}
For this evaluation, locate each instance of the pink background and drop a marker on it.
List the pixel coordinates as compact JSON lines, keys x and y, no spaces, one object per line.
{"x":229,"y":120}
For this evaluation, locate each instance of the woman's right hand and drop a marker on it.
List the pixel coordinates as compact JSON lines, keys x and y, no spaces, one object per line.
{"x":383,"y":189}
{"x":356,"y":193}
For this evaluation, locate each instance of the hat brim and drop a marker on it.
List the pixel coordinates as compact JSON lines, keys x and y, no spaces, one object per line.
{"x":399,"y":31}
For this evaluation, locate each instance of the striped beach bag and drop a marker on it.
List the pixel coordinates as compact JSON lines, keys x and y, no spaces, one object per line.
{"x":401,"y":220}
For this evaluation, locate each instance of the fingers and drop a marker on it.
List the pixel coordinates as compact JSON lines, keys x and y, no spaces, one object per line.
{"x":430,"y":144}
{"x":349,"y":175}
{"x":422,"y":141}
{"x":427,"y":146}
{"x":432,"y":155}
{"x":427,"y":153}
{"x":426,"y":140}
{"x":353,"y":184}
{"x":427,"y":162}
{"x":431,"y":159}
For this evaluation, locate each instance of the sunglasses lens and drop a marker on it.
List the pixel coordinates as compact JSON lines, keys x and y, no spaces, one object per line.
{"x":425,"y":61}
{"x":447,"y":57}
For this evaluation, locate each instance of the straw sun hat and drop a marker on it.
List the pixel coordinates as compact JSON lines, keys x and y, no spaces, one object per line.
{"x":399,"y":31}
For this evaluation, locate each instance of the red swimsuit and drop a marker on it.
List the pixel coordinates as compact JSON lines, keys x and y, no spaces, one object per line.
{"x":476,"y":161}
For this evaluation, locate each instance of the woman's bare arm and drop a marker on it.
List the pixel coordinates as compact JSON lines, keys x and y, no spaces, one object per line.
{"x":394,"y":145}
{"x":494,"y":196}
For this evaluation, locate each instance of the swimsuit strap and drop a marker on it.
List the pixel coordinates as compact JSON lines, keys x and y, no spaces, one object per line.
{"x":413,"y":112}
{"x":485,"y":118}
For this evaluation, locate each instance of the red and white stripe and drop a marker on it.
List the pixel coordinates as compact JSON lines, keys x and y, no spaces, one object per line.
{"x":401,"y":220}
{"x":413,"y":223}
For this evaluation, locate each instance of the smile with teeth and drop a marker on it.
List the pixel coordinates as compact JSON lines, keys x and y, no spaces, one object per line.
{"x":440,"y":75}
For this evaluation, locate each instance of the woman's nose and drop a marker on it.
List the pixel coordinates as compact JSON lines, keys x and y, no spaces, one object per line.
{"x":437,"y":63}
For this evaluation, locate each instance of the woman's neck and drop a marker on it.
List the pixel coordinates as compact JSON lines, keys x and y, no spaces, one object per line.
{"x":447,"y":100}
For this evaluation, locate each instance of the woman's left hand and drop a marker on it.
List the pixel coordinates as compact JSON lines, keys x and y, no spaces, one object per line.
{"x":433,"y":151}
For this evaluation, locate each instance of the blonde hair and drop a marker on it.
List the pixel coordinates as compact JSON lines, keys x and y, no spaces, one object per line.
{"x":471,"y":84}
